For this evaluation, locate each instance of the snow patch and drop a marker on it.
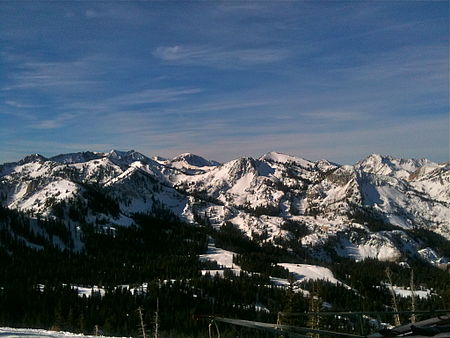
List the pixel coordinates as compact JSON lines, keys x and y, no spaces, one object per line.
{"x":222,"y":257}
{"x":305,"y":272}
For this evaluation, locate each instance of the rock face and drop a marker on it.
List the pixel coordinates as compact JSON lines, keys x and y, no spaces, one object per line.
{"x":370,"y":209}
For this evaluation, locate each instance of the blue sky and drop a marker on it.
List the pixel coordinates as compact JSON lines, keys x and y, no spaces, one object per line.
{"x":320,"y":79}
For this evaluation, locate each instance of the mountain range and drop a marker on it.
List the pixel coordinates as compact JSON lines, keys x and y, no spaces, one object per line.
{"x":381,"y":207}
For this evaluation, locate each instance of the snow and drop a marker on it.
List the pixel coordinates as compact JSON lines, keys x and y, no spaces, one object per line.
{"x":382,"y":253}
{"x":135,"y":289}
{"x":222,"y":257}
{"x":282,"y":282}
{"x":429,"y":255}
{"x":75,"y":157}
{"x":389,"y":166}
{"x":29,"y":199}
{"x":282,"y":158}
{"x":90,"y":170}
{"x":126,"y":157}
{"x":242,"y":184}
{"x":406,"y":292}
{"x":188,"y":160}
{"x":434,"y":181}
{"x":8,"y":332}
{"x":220,"y":273}
{"x":301,"y":272}
{"x":261,"y":308}
{"x":377,"y":246}
{"x":81,"y":290}
{"x":405,"y":193}
{"x":305,"y":272}
{"x":88,"y":291}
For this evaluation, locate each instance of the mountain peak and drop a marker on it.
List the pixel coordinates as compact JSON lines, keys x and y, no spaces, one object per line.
{"x":194,"y":160}
{"x":33,"y":158}
{"x":390,"y":166}
{"x":118,"y":153}
{"x":253,"y":194}
{"x":128,"y":156}
{"x":72,"y":158}
{"x":388,"y":159}
{"x":274,"y":156}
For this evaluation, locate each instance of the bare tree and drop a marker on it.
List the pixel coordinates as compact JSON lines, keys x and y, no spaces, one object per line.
{"x":394,"y":299}
{"x":142,"y":332}
{"x":156,"y":333}
{"x":413,"y":297}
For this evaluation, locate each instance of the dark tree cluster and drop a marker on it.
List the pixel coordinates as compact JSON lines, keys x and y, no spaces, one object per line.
{"x":39,"y":279}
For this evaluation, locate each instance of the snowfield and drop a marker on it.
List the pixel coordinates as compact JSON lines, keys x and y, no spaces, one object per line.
{"x":305,"y":272}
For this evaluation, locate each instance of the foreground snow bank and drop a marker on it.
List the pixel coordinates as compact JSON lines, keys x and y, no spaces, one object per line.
{"x":8,"y":332}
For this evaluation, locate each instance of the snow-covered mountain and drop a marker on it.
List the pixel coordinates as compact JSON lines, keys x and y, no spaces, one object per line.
{"x":370,"y":209}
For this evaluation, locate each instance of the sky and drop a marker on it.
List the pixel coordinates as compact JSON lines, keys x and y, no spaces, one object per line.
{"x":335,"y":80}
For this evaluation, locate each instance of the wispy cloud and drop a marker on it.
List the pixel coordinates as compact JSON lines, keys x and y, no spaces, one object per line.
{"x":126,"y":12}
{"x":299,"y":77}
{"x":55,"y":122}
{"x":337,"y":116}
{"x":50,"y":75}
{"x":153,"y":96}
{"x":223,"y":57}
{"x":419,"y":62}
{"x":17,"y":104}
{"x":128,"y":102}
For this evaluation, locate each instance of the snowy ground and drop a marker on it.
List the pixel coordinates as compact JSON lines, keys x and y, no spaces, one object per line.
{"x":222,"y":257}
{"x":86,"y":291}
{"x":406,"y":292}
{"x":304,"y":272}
{"x":300,"y":272}
{"x":7,"y":332}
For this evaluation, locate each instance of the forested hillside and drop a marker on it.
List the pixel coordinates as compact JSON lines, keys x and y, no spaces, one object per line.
{"x":156,"y":259}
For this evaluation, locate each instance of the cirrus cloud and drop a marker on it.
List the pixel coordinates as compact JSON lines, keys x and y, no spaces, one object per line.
{"x":214,"y":56}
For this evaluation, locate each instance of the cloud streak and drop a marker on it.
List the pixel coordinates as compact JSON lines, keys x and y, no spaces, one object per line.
{"x":219,"y":57}
{"x":50,"y":75}
{"x":55,"y":122}
{"x":337,"y":116}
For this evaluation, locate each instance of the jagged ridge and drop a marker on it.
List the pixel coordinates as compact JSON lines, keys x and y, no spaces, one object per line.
{"x":337,"y":204}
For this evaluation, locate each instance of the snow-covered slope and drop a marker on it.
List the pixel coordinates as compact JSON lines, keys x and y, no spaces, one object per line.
{"x":188,"y":163}
{"x":342,"y":206}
